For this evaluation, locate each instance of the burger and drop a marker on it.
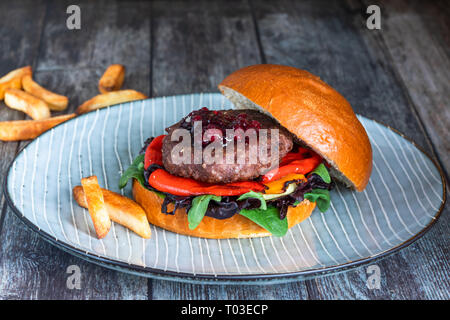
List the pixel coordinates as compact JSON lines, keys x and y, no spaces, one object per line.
{"x":258,"y":169}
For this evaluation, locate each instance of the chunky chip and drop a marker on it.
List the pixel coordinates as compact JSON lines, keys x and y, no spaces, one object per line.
{"x":17,"y":130}
{"x":13,"y":80}
{"x":56,"y":102}
{"x":112,"y":79}
{"x":121,"y":210}
{"x":110,"y":98}
{"x":20,"y":100}
{"x":96,"y":206}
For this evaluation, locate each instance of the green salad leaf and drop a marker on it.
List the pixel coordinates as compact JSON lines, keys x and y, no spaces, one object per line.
{"x":322,"y":172}
{"x":198,"y":209}
{"x":269,"y":219}
{"x":256,"y":195}
{"x":321,"y":197}
{"x":135,"y":170}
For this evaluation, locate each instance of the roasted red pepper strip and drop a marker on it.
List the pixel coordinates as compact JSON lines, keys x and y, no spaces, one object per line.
{"x":153,"y":153}
{"x":301,"y":153}
{"x":303,"y":166}
{"x":164,"y":181}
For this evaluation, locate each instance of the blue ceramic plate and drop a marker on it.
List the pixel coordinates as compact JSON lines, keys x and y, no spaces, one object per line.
{"x":403,"y":199}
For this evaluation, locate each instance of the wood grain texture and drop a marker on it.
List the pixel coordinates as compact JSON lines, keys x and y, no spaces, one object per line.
{"x":71,"y":63}
{"x":332,"y":41}
{"x":34,"y":269}
{"x":198,"y":43}
{"x":19,"y":47}
{"x":413,"y":33}
{"x":168,"y":290}
{"x":109,"y":32}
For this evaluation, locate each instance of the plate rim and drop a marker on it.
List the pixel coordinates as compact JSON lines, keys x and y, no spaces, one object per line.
{"x":257,"y":279}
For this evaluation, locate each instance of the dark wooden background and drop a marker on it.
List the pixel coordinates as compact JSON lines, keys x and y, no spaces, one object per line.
{"x":398,"y":75}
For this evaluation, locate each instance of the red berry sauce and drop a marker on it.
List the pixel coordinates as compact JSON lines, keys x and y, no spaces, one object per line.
{"x":214,"y":123}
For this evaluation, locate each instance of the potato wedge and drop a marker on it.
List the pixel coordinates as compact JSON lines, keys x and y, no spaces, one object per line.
{"x":14,"y":83}
{"x":56,"y":102}
{"x":96,"y":206}
{"x":17,"y":73}
{"x":13,"y":80}
{"x":112,"y":79}
{"x":25,"y":102}
{"x":110,"y":98}
{"x":121,"y":210}
{"x":18,"y":130}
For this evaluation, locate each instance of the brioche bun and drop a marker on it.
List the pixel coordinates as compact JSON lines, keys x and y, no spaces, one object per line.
{"x":310,"y":109}
{"x":235,"y":227}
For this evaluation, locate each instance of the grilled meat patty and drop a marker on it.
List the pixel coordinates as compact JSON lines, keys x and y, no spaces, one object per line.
{"x":214,"y":123}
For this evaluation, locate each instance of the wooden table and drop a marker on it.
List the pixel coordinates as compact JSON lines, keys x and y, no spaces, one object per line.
{"x":398,"y":75}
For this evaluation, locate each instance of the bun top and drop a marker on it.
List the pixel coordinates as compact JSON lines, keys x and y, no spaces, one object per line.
{"x":310,"y":109}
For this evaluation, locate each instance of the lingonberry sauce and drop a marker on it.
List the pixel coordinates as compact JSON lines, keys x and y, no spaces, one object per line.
{"x":214,"y":124}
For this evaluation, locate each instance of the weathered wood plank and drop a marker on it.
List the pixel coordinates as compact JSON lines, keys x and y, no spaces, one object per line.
{"x":34,"y":269}
{"x":70,"y":63}
{"x":19,"y":47}
{"x":331,"y":40}
{"x":197,"y":44}
{"x":168,"y":290}
{"x":20,"y":41}
{"x":427,"y":258}
{"x":416,"y":37}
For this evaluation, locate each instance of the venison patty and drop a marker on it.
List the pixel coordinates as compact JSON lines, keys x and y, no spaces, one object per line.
{"x":216,"y":122}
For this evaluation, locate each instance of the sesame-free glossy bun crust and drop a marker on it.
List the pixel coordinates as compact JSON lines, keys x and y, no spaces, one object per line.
{"x":313,"y":111}
{"x":235,"y":227}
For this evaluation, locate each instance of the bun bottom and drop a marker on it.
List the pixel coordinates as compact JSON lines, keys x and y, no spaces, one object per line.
{"x":235,"y":227}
